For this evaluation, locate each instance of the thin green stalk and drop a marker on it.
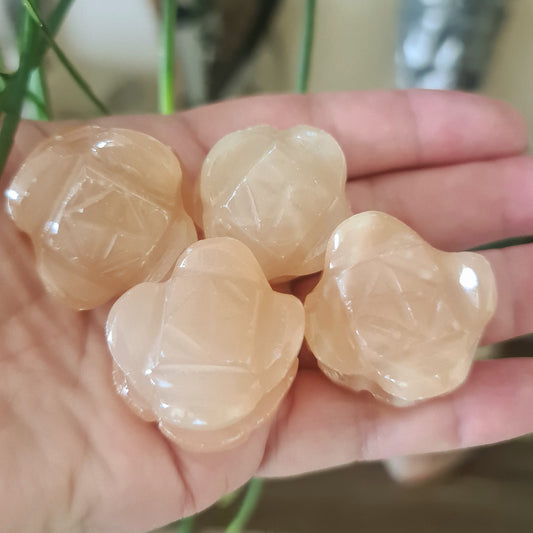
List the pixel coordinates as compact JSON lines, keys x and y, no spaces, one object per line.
{"x":78,"y":78}
{"x":248,"y":505}
{"x":40,"y":106}
{"x":54,"y":23}
{"x":167,"y":62}
{"x":226,"y":500}
{"x":504,"y":243}
{"x":38,"y":94}
{"x":14,"y":94}
{"x":44,"y":90}
{"x":306,"y":49}
{"x":186,"y":525}
{"x":33,"y":49}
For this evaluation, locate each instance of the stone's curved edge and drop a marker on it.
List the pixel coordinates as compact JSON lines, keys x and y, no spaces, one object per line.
{"x":207,"y":441}
{"x":353,"y":372}
{"x":132,"y":383}
{"x":86,"y":166}
{"x":237,"y":154}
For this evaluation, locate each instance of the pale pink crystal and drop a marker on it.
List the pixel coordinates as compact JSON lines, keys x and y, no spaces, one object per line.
{"x":281,"y":192}
{"x":211,"y":352}
{"x":394,"y":315}
{"x":104,"y":211}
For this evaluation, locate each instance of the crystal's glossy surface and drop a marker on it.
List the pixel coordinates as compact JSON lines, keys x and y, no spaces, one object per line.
{"x":104,"y":211}
{"x":209,"y":353}
{"x":395,"y":316}
{"x":281,"y":192}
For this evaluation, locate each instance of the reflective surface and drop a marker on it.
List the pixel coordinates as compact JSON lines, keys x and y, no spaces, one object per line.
{"x":211,"y":352}
{"x":395,"y":316}
{"x":104,"y":211}
{"x":279,"y":192}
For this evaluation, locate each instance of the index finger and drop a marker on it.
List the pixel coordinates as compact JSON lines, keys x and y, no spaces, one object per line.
{"x":377,"y":130}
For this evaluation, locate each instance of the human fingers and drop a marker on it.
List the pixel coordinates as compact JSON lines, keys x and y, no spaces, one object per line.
{"x":378,"y":130}
{"x":514,"y":282}
{"x":455,"y":207}
{"x":322,"y":426}
{"x":512,"y":267}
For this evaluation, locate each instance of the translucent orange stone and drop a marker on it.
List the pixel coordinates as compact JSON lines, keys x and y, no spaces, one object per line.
{"x":210,"y":353}
{"x":104,"y":211}
{"x":281,"y":192}
{"x":395,"y":316}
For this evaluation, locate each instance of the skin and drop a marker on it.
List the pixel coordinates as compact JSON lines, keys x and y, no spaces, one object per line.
{"x":72,"y":455}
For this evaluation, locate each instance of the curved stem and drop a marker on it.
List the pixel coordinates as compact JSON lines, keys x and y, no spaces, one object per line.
{"x":248,"y":505}
{"x":306,"y":47}
{"x":78,"y":78}
{"x":166,"y":67}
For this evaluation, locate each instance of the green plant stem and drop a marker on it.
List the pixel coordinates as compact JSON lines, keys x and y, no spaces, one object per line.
{"x":504,"y":243}
{"x":76,"y":76}
{"x":306,"y":48}
{"x":40,"y":107}
{"x":167,"y":62}
{"x":186,"y":525}
{"x":15,"y":92}
{"x":248,"y":505}
{"x":226,"y":500}
{"x":54,"y":23}
{"x":38,"y":94}
{"x":32,"y":52}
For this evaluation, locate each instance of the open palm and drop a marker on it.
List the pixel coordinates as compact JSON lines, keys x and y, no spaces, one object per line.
{"x":72,"y":455}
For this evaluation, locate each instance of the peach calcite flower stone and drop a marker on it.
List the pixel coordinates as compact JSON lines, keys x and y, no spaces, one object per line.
{"x":211,"y":352}
{"x":395,"y":316}
{"x":281,"y":192}
{"x":104,"y":211}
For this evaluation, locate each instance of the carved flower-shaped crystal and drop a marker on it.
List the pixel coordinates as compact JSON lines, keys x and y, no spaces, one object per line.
{"x":281,"y":192}
{"x":395,"y":316}
{"x":104,"y":211}
{"x":211,"y":352}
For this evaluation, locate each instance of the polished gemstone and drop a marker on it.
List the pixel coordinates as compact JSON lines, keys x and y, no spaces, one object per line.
{"x":104,"y":211}
{"x":210,"y":353}
{"x":395,"y":316}
{"x":281,"y":192}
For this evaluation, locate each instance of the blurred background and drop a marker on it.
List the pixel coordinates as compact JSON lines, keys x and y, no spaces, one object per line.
{"x":231,"y":47}
{"x":227,"y":48}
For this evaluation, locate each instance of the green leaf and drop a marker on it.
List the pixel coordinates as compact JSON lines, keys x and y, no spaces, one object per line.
{"x":77,"y":77}
{"x":32,"y":51}
{"x":13,"y":96}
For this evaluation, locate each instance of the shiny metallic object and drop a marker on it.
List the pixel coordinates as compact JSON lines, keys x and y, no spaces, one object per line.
{"x":446,"y":44}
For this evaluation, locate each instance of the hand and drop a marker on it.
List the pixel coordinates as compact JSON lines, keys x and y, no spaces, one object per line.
{"x":73,"y":457}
